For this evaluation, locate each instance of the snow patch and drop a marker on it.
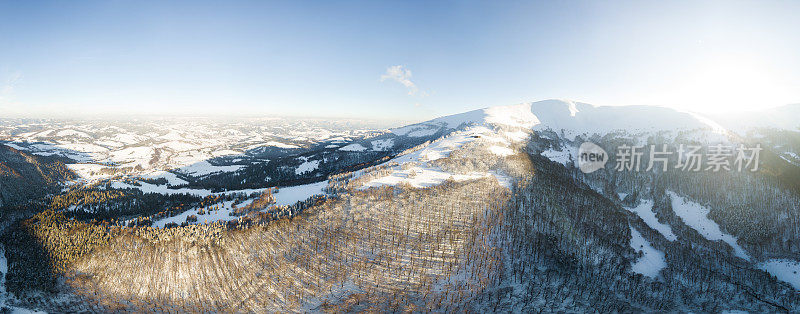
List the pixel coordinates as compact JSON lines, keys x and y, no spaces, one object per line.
{"x":307,"y":166}
{"x":172,"y":136}
{"x":128,"y":138}
{"x":14,"y":146}
{"x":501,"y":151}
{"x":160,"y":189}
{"x":791,"y":157}
{"x":281,"y":145}
{"x":132,"y":154}
{"x":82,"y":148}
{"x":562,"y":157}
{"x":293,"y":194}
{"x":696,"y":216}
{"x":382,"y":145}
{"x":652,"y":260}
{"x":502,"y":179}
{"x":355,"y":147}
{"x":422,"y":133}
{"x":223,"y":213}
{"x":402,"y":130}
{"x":517,"y":136}
{"x":90,"y":172}
{"x":785,"y":270}
{"x":171,"y":178}
{"x":178,"y":146}
{"x":72,"y":133}
{"x":424,"y":175}
{"x":420,"y":177}
{"x":645,"y":211}
{"x":205,"y":168}
{"x":283,"y":196}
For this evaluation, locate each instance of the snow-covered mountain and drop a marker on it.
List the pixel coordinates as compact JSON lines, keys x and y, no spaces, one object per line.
{"x":572,"y":117}
{"x":486,"y":209}
{"x":183,"y":151}
{"x":568,"y":120}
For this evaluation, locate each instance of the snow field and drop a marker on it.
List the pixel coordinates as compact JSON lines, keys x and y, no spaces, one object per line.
{"x":205,"y":168}
{"x":413,"y":168}
{"x":652,"y":261}
{"x":355,"y":147}
{"x":785,"y":270}
{"x":696,"y":216}
{"x":307,"y":166}
{"x":645,"y":211}
{"x":283,"y":197}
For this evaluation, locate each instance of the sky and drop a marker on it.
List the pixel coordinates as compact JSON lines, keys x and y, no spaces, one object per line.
{"x":408,"y":60}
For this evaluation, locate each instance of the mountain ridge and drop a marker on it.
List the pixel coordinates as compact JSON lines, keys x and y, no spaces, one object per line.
{"x":574,"y":117}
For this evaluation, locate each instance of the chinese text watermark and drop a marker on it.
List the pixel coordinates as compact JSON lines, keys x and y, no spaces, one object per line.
{"x":694,"y":158}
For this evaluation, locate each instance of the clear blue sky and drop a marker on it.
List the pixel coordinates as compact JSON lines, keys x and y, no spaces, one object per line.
{"x":339,"y":58}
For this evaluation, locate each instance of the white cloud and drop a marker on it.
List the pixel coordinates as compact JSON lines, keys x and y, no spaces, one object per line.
{"x":401,"y":75}
{"x":7,"y":105}
{"x":8,"y":85}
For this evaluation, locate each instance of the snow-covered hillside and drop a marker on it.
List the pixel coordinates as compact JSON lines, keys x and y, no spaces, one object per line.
{"x":178,"y":151}
{"x":185,"y":146}
{"x":574,"y":118}
{"x":149,"y":147}
{"x":461,"y":206}
{"x":416,"y":169}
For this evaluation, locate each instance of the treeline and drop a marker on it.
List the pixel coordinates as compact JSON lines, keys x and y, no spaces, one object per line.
{"x":115,"y":204}
{"x":84,"y":197}
{"x":280,"y":169}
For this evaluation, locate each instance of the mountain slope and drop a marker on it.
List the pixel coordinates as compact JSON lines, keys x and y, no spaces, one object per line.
{"x":465,"y":213}
{"x":25,"y":177}
{"x":574,"y":117}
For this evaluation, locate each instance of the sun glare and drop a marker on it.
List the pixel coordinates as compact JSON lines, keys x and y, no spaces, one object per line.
{"x":732,"y":84}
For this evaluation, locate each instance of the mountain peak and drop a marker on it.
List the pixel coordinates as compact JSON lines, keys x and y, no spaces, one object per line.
{"x":574,"y":117}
